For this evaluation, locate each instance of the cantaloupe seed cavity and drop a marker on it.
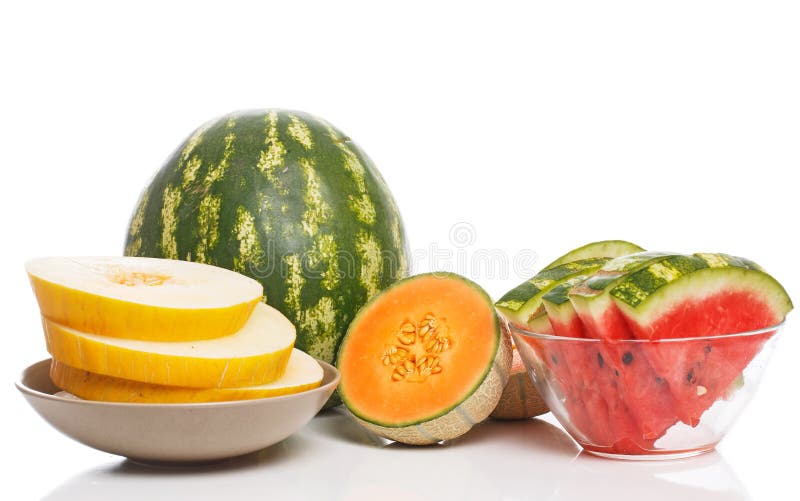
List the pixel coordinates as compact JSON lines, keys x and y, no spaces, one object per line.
{"x":412,"y":355}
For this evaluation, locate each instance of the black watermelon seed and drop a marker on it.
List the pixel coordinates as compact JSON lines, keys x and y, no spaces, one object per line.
{"x":690,"y":375}
{"x":627,"y":358}
{"x":554,"y":359}
{"x":708,"y":349}
{"x":616,"y":372}
{"x":600,"y":361}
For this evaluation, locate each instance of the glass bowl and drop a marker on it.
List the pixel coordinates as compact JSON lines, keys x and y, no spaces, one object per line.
{"x":646,"y":399}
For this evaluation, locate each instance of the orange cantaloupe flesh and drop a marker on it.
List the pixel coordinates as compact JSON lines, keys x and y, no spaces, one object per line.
{"x":469,"y":324}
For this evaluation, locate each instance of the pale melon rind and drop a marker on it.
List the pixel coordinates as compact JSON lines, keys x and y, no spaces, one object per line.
{"x":256,"y":354}
{"x":302,"y":373}
{"x":603,"y":248}
{"x":92,"y":294}
{"x":474,"y":409}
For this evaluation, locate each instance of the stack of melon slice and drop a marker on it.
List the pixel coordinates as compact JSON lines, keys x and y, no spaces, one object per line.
{"x":157,"y":330}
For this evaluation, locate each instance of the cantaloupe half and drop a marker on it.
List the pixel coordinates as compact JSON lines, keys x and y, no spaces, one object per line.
{"x":143,"y":298}
{"x":302,"y":373}
{"x":520,"y":399}
{"x":256,"y":354}
{"x":424,"y":360}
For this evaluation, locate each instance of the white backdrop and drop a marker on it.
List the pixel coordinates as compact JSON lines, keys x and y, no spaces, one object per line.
{"x":533,"y":127}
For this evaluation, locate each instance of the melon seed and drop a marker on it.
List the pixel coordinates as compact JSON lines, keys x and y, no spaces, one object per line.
{"x":413,"y":367}
{"x":627,"y":358}
{"x":406,"y":338}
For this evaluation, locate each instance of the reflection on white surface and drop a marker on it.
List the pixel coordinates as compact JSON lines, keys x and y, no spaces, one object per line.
{"x":333,"y":458}
{"x":706,"y":477}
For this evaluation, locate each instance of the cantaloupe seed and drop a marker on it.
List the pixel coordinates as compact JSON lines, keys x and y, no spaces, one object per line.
{"x":415,"y":355}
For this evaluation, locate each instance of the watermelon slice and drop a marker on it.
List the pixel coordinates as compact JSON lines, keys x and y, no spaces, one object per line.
{"x":701,"y":296}
{"x":643,"y":392}
{"x":612,"y":427}
{"x":603,"y":248}
{"x":557,"y":361}
{"x":522,"y":303}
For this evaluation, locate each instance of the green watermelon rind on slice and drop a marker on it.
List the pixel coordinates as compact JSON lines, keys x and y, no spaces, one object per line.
{"x":603,"y":248}
{"x":521,"y":303}
{"x":643,"y":295}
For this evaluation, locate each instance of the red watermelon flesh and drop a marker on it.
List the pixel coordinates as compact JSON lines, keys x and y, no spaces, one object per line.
{"x":643,"y":392}
{"x":610,"y":422}
{"x":554,"y":358}
{"x":700,"y":371}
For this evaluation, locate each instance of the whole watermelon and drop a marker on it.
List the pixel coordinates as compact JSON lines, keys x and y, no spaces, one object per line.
{"x":288,"y":199}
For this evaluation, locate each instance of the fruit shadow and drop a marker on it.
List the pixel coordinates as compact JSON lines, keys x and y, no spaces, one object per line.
{"x":707,"y":476}
{"x":523,"y":435}
{"x":154,"y":479}
{"x":338,"y":424}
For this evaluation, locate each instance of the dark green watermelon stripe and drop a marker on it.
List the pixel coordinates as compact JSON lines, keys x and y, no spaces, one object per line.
{"x":636,"y":287}
{"x":287,"y":199}
{"x":517,"y":297}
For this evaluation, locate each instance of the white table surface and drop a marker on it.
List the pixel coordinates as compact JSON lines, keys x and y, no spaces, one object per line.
{"x":333,"y":458}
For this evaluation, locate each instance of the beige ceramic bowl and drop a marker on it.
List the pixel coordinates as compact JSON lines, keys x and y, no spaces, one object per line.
{"x":175,"y":433}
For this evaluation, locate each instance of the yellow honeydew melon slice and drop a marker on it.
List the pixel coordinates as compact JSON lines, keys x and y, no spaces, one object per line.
{"x":302,"y":373}
{"x":256,"y":354}
{"x":143,"y":298}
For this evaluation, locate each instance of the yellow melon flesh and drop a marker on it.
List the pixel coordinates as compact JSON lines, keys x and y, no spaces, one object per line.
{"x":143,"y":298}
{"x":256,"y":354}
{"x":302,"y":373}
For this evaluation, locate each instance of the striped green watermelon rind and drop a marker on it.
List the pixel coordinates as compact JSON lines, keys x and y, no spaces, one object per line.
{"x":603,"y":248}
{"x":648,"y":291}
{"x":612,"y":271}
{"x":594,"y":305}
{"x":557,"y":299}
{"x":288,"y":199}
{"x":521,"y":303}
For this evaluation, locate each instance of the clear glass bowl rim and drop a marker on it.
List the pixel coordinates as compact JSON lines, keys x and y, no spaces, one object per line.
{"x":552,"y":337}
